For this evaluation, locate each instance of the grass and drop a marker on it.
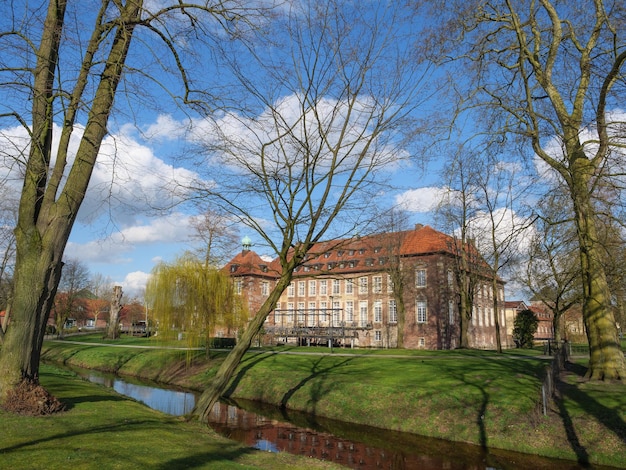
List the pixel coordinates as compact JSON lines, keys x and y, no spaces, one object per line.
{"x":104,"y":429}
{"x":471,"y":396}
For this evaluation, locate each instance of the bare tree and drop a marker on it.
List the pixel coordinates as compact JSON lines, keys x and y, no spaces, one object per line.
{"x":326,"y":110}
{"x":546,"y":74}
{"x":394,"y":224}
{"x":552,"y":272}
{"x":73,"y":287}
{"x":217,"y":235}
{"x":59,"y":83}
{"x":456,"y":211}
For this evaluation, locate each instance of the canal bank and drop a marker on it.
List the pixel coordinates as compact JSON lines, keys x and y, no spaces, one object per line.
{"x":357,"y":447}
{"x":487,"y":400}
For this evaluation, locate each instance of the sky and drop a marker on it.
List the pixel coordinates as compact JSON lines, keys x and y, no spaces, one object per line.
{"x":135,"y":215}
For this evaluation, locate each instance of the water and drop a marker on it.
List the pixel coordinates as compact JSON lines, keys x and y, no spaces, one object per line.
{"x":358,"y":447}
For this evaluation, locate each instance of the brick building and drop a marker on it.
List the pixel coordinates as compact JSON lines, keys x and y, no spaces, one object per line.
{"x":348,"y":293}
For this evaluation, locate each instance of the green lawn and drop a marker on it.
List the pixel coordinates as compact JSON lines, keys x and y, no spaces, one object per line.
{"x":103,"y":430}
{"x":478,"y":397}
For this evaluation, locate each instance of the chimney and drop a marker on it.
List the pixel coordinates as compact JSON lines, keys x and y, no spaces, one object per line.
{"x":418,"y":226}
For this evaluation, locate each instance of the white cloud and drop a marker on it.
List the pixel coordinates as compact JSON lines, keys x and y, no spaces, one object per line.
{"x":166,"y":128}
{"x":134,"y":284}
{"x":421,"y":200}
{"x":171,"y":228}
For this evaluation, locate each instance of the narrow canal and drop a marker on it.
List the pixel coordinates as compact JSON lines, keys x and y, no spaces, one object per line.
{"x":354,"y":446}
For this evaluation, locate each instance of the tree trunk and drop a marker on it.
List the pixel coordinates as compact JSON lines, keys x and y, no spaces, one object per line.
{"x":226,"y":371}
{"x":114,"y":313}
{"x":401,"y":320}
{"x":34,"y":291}
{"x":606,"y":359}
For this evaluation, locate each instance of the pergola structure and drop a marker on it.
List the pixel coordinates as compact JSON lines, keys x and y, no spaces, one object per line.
{"x":319,"y":326}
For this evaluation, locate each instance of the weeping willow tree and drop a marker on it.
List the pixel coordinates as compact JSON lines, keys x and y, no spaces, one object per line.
{"x":189,"y":297}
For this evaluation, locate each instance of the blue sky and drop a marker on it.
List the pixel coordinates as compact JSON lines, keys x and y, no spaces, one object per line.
{"x":124,"y":236}
{"x":134,"y":213}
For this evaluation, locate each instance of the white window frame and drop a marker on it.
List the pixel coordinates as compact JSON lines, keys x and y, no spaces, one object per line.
{"x":420,"y":277}
{"x":312,"y":287}
{"x":377,"y":284}
{"x":265,"y":288}
{"x":291,"y":290}
{"x":421,"y":311}
{"x":323,"y":287}
{"x":349,"y":311}
{"x":323,"y":311}
{"x":363,"y":285}
{"x":301,"y":288}
{"x":290,"y":312}
{"x":349,"y":284}
{"x":378,"y":311}
{"x":311,"y":314}
{"x":363,"y":313}
{"x":336,"y":286}
{"x":393,"y":311}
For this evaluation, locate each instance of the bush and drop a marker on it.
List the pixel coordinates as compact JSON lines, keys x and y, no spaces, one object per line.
{"x":524,"y":329}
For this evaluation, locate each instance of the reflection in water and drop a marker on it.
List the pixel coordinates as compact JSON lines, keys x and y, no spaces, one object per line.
{"x":354,"y":446}
{"x":172,"y":402}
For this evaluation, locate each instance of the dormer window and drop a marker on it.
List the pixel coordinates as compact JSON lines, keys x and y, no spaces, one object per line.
{"x":340,"y":253}
{"x":264,"y":268}
{"x":362,"y":251}
{"x":234,"y":267}
{"x":327,"y":255}
{"x":377,"y":249}
{"x":351,"y":252}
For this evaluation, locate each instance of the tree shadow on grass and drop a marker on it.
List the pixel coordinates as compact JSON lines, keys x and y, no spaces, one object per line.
{"x":244,"y":367}
{"x":610,"y":418}
{"x":227,"y":453}
{"x":319,"y":389}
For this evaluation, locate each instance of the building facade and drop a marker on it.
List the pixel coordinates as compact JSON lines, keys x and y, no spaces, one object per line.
{"x":353,"y":293}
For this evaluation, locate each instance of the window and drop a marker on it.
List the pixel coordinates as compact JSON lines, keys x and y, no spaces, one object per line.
{"x":420,"y":308}
{"x":291,"y":290}
{"x":311,"y":314}
{"x":393,"y":312}
{"x":363,"y":313}
{"x":363,"y":285}
{"x":450,"y":278}
{"x":378,"y":311}
{"x":369,"y":262}
{"x":422,"y":343}
{"x":312,"y":288}
{"x":378,"y":335}
{"x":323,"y":287}
{"x":238,"y":286}
{"x":323,"y":306}
{"x":389,"y":284}
{"x":301,"y":288}
{"x":336,"y":312}
{"x":336,"y":286}
{"x":378,"y":284}
{"x":289,"y":312}
{"x":349,"y":286}
{"x":451,"y":312}
{"x":349,"y":311}
{"x":301,"y":313}
{"x":265,"y":288}
{"x":420,"y":277}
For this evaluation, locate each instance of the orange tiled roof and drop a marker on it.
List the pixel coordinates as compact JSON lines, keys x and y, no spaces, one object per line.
{"x":350,"y":255}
